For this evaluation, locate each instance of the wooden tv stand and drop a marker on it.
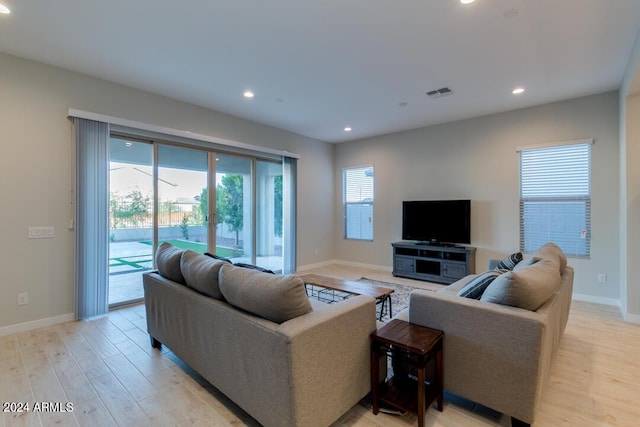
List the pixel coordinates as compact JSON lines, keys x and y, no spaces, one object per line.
{"x":433,"y":263}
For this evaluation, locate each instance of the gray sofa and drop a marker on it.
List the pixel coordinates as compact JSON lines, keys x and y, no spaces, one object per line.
{"x":257,"y":338}
{"x":497,"y":353}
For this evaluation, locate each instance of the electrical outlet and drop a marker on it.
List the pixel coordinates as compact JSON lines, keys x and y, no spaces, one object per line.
{"x":602,"y":278}
{"x":23,"y":298}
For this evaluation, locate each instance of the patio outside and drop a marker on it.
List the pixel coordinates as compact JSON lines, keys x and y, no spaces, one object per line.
{"x":128,"y":260}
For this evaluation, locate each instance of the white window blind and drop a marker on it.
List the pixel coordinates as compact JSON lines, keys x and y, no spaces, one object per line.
{"x":555,"y":198}
{"x":358,"y":203}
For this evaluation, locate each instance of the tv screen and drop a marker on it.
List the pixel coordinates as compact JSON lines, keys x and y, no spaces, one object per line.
{"x":437,"y":221}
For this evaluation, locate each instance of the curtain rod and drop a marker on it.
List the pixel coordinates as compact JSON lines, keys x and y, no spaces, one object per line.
{"x":81,"y":114}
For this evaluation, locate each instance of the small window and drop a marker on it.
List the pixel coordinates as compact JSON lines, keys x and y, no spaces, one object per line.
{"x":555,"y":198}
{"x":358,"y":203}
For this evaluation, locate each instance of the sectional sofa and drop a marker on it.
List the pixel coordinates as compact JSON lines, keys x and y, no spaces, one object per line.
{"x":499,"y":342}
{"x":285,"y":360}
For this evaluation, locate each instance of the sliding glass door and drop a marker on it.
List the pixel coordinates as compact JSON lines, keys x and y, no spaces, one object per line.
{"x":269,"y":214}
{"x":248,"y":207}
{"x":234,"y":208}
{"x":182,"y":197}
{"x":230,"y":205}
{"x":130,"y":218}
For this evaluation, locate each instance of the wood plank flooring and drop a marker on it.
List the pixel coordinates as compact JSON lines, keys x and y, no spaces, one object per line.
{"x":107,"y":369}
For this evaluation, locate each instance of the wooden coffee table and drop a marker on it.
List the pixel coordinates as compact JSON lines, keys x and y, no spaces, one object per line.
{"x":382,"y":295}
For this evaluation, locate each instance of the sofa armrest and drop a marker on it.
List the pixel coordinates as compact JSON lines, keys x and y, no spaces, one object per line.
{"x":330,"y":354}
{"x":492,"y":353}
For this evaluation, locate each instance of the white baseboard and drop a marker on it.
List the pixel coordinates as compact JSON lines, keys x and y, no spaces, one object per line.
{"x":632,"y":318}
{"x":307,"y":267}
{"x":361,"y":265}
{"x":596,"y":300}
{"x":341,"y":262}
{"x":35,"y":324}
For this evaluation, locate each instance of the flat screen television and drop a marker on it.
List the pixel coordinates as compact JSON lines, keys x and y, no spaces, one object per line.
{"x":437,"y":221}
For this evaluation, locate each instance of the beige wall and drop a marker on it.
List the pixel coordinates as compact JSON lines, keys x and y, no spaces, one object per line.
{"x":477,"y":159}
{"x":631,"y":300}
{"x":630,"y":187}
{"x":36,"y":172}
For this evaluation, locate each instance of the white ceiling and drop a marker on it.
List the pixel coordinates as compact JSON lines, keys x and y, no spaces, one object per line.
{"x":318,"y":66}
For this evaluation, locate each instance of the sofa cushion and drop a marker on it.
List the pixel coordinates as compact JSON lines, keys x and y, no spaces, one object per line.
{"x":168,"y":262}
{"x":552,"y":251}
{"x":201,"y":273}
{"x":527,"y":288}
{"x":510,"y":262}
{"x":476,"y":286}
{"x":275,"y":298}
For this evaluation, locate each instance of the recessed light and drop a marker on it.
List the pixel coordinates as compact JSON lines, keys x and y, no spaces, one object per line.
{"x":347,"y":129}
{"x":4,"y":9}
{"x":248,"y":94}
{"x":517,"y":91}
{"x":466,"y":1}
{"x":128,"y":144}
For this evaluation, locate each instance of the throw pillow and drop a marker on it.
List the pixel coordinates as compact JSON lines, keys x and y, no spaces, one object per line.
{"x":275,"y":298}
{"x":221,"y":258}
{"x":509,"y":262}
{"x":527,"y":288}
{"x":168,"y":262}
{"x":476,"y":286}
{"x":254,"y":267}
{"x":201,"y":273}
{"x":525,"y":263}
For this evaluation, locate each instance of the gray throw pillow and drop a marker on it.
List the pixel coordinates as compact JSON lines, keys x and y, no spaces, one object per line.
{"x":275,"y":298}
{"x":528,"y":288}
{"x":476,"y":286}
{"x":168,"y":262}
{"x":201,"y":273}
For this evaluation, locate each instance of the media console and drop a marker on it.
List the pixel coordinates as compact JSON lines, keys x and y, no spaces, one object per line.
{"x":441,"y":264}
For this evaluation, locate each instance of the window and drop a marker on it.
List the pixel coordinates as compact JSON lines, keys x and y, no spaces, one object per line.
{"x":555,"y":197}
{"x":358,"y":203}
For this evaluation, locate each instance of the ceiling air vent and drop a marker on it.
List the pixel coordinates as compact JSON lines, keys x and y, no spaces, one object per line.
{"x":440,"y":92}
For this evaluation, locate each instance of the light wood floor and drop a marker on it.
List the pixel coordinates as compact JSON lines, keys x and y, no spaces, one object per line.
{"x":108,"y":371}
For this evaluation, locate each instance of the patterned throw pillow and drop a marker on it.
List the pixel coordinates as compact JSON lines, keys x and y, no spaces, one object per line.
{"x":509,"y":262}
{"x":475,"y":288}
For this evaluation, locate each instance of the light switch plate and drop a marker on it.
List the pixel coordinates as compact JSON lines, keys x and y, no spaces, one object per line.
{"x":41,"y":232}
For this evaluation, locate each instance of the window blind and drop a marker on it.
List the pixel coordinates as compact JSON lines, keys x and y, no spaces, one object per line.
{"x":358,"y":203}
{"x":555,"y":198}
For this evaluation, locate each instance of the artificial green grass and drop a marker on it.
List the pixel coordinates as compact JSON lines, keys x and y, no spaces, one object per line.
{"x":198,"y":247}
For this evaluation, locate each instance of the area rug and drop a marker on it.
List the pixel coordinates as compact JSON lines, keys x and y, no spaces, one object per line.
{"x":399,"y":297}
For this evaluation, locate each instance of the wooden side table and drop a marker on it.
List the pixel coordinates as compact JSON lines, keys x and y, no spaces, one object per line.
{"x":417,"y":345}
